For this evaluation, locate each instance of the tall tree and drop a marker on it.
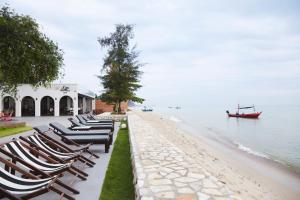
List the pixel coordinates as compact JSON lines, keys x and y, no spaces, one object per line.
{"x":121,"y":67}
{"x":27,"y":56}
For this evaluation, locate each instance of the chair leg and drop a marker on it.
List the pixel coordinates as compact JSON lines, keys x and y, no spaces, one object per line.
{"x":77,"y":174}
{"x":106,"y":147}
{"x":61,"y":193}
{"x":87,"y":161}
{"x":79,"y":171}
{"x":58,"y":182}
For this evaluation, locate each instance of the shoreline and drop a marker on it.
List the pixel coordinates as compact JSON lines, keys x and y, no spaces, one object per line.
{"x":243,"y":150}
{"x":247,"y":175}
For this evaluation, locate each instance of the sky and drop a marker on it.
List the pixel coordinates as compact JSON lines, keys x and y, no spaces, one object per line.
{"x":217,"y":52}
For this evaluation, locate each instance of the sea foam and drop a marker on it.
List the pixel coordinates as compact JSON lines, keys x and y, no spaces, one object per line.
{"x":251,"y":151}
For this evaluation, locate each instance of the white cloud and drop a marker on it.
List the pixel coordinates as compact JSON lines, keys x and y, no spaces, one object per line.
{"x":191,"y":47}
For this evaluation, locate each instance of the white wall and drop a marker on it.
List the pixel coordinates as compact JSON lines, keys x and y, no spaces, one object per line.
{"x":54,"y":91}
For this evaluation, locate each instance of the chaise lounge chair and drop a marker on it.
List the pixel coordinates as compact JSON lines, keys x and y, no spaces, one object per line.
{"x":56,"y":152}
{"x":91,"y":121}
{"x":39,"y":160}
{"x":65,"y":131}
{"x":91,"y":117}
{"x":45,"y":131}
{"x":83,"y":137}
{"x":16,"y":188}
{"x":77,"y":125}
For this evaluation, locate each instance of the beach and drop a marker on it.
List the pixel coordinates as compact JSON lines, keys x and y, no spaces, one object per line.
{"x":240,"y":175}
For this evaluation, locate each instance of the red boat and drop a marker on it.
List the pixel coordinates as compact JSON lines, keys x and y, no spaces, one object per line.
{"x":253,"y":115}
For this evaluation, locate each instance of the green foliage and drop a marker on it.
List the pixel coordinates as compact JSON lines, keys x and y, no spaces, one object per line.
{"x":121,"y":67}
{"x":12,"y":131}
{"x":118,"y":183}
{"x":27,"y":56}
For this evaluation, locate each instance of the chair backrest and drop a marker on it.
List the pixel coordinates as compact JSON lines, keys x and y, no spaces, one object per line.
{"x":59,"y":127}
{"x":40,"y":143}
{"x":81,"y":120}
{"x":91,"y":117}
{"x":41,"y":129}
{"x":85,"y":117}
{"x":16,"y":148}
{"x":74,"y":122}
{"x":18,"y":185}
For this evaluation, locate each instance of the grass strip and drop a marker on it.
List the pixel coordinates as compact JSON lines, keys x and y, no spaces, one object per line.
{"x":118,"y":182}
{"x":12,"y":131}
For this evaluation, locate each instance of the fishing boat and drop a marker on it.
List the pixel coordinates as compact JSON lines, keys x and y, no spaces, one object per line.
{"x":253,"y":115}
{"x":147,"y":109}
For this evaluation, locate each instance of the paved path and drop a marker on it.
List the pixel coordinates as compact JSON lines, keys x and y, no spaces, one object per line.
{"x":163,"y":171}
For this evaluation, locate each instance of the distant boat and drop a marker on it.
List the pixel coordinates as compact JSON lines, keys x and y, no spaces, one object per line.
{"x":146,"y":109}
{"x":253,"y":115}
{"x":177,"y":107}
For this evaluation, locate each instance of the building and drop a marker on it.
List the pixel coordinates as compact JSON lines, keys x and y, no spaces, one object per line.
{"x":104,"y":107}
{"x":55,"y":100}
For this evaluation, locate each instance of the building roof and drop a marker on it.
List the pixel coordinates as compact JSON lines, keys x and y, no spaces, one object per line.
{"x":85,"y":92}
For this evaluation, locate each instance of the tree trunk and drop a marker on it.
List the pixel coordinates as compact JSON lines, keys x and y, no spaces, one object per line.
{"x":119,"y":109}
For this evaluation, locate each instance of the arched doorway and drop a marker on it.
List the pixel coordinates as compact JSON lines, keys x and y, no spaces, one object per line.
{"x":28,"y":106}
{"x":66,"y":106}
{"x":9,"y":105}
{"x":47,"y":106}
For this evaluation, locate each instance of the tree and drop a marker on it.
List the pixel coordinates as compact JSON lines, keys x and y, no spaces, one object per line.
{"x":121,"y":67}
{"x":27,"y":56}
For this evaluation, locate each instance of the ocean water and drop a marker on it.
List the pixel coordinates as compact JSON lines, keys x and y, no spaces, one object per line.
{"x":275,"y":135}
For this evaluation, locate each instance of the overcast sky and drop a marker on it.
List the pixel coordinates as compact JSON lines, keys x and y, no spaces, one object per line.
{"x":220,"y":52}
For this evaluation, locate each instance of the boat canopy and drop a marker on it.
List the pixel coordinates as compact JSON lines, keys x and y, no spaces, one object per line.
{"x":246,"y":107}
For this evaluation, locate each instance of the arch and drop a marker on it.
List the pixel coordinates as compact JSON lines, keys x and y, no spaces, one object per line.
{"x":47,"y":106}
{"x":9,"y":105}
{"x":66,"y":106}
{"x":28,"y":106}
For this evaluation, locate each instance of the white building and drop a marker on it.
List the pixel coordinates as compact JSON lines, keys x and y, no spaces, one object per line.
{"x":55,"y":100}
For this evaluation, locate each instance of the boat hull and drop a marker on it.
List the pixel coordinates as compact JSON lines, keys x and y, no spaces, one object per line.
{"x":250,"y":115}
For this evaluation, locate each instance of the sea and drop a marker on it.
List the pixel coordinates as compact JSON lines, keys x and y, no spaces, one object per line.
{"x":275,"y":135}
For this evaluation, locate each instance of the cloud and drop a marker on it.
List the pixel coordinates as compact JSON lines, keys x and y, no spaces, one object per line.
{"x":194,"y":49}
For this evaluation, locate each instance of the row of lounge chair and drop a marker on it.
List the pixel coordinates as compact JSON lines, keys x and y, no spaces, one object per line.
{"x":33,"y":165}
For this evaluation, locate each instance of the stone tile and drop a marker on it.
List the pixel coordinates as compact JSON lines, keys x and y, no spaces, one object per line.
{"x":185,"y":190}
{"x":212,"y":191}
{"x":160,"y":182}
{"x":186,"y":197}
{"x":165,"y":195}
{"x":186,"y":179}
{"x":202,"y":196}
{"x":160,"y":188}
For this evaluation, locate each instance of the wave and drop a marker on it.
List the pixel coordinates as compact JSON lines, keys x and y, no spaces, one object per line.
{"x":174,"y":119}
{"x":251,"y":151}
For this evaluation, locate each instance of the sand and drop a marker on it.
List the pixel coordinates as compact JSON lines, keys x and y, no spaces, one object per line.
{"x":247,"y":176}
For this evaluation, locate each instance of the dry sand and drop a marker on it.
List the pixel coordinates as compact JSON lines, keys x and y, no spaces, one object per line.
{"x":248,"y":176}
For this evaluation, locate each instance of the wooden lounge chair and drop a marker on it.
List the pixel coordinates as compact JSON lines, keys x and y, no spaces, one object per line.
{"x":77,"y":125}
{"x":87,"y":120}
{"x":27,"y":185}
{"x":84,"y":138}
{"x":67,"y":132}
{"x":91,"y":117}
{"x":99,"y":125}
{"x":61,"y":155}
{"x":46,"y":132}
{"x":40,"y":160}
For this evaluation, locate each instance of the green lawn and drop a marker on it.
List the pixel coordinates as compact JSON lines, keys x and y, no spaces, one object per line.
{"x":118,"y":183}
{"x":11,"y":131}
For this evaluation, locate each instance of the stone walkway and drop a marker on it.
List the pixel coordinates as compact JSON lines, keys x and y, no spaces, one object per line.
{"x":163,"y":171}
